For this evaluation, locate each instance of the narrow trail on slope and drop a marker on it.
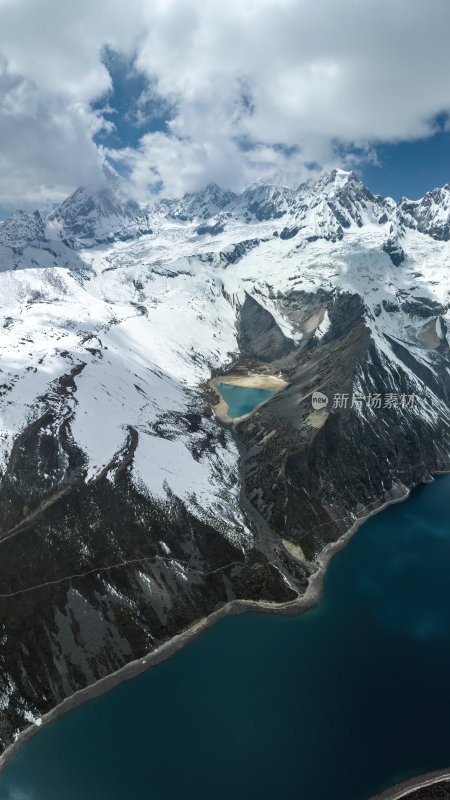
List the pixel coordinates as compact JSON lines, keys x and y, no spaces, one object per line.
{"x":96,"y":570}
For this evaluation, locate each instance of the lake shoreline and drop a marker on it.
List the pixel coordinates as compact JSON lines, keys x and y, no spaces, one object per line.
{"x":406,"y":788}
{"x":254,"y":381}
{"x":310,"y":599}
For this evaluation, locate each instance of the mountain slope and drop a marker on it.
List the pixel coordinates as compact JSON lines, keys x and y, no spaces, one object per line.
{"x":128,"y":510}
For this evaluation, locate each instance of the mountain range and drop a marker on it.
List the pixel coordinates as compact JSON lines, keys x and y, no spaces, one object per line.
{"x":129,"y":511}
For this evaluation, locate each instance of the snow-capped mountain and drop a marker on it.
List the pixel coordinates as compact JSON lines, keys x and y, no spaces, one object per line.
{"x":337,"y":202}
{"x":203,"y":204}
{"x":87,"y":218}
{"x":128,"y":510}
{"x":429,"y":215}
{"x":22,"y":228}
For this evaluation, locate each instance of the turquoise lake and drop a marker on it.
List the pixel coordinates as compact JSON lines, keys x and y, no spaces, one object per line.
{"x":241,"y":400}
{"x":334,"y":704}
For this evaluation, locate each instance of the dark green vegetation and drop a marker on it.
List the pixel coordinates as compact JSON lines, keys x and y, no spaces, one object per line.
{"x":87,"y":579}
{"x":94,"y":573}
{"x":337,"y":703}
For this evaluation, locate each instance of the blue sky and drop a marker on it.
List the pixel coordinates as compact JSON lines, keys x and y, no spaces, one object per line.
{"x":410,"y":169}
{"x":402,"y":169}
{"x":131,"y":104}
{"x":179,"y":93}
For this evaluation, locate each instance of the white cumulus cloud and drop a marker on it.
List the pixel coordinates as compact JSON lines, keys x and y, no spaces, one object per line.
{"x":256,"y":88}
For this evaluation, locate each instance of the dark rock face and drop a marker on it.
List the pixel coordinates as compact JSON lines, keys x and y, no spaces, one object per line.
{"x":394,"y":251}
{"x":259,"y":335}
{"x":264,"y":212}
{"x":423,"y":307}
{"x":305,"y":479}
{"x":95,"y":574}
{"x":340,"y":217}
{"x":289,"y":233}
{"x":213,"y":230}
{"x":237,"y":251}
{"x":390,"y":307}
{"x":435,"y":376}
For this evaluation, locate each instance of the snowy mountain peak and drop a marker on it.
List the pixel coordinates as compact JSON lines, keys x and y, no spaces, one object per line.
{"x":338,"y":183}
{"x":203,"y":204}
{"x":339,"y":202}
{"x":22,"y":228}
{"x":214,"y":192}
{"x":89,"y":217}
{"x":429,"y":215}
{"x":335,"y":176}
{"x":265,"y":202}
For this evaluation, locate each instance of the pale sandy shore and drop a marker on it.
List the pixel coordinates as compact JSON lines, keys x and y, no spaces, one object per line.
{"x":251,"y":381}
{"x":307,"y":601}
{"x":407,"y":788}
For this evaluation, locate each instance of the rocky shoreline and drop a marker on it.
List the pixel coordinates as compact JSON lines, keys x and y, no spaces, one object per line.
{"x":134,"y":668}
{"x":416,"y":788}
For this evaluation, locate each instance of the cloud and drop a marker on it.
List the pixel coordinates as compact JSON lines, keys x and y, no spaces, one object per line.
{"x":254,"y":88}
{"x":46,"y":145}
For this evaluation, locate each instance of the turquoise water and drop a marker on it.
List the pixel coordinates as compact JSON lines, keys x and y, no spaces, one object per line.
{"x":334,"y":704}
{"x":241,"y":400}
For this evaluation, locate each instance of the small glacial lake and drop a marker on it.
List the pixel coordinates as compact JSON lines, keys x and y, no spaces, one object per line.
{"x":242,"y":399}
{"x":335,"y":704}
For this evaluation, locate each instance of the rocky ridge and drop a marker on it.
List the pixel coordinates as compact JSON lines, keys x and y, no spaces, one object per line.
{"x":128,"y":511}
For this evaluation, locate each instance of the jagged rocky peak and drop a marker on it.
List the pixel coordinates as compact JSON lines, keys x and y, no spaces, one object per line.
{"x":213,"y":195}
{"x":429,"y":215}
{"x":343,"y":186}
{"x":267,"y":201}
{"x":22,"y":228}
{"x":338,"y":201}
{"x":85,"y":208}
{"x":335,"y":178}
{"x":341,"y":199}
{"x":259,"y":202}
{"x":93,"y":216}
{"x":203,"y":204}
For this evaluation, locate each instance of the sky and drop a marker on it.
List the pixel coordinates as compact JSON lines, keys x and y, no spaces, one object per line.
{"x":177,"y":93}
